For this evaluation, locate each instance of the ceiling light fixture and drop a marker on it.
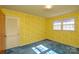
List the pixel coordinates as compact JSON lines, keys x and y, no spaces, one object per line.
{"x":48,"y":6}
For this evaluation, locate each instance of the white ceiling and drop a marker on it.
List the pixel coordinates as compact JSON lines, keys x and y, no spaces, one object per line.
{"x":40,"y":10}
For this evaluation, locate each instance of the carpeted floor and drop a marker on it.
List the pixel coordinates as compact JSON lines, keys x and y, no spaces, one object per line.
{"x":43,"y":47}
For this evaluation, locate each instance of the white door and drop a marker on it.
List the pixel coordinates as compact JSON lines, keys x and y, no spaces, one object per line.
{"x":12,"y":32}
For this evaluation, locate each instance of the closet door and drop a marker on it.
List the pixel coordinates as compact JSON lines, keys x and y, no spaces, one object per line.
{"x":12,"y":32}
{"x":2,"y":33}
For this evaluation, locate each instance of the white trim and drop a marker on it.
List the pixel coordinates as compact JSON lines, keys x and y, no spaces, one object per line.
{"x":10,"y":35}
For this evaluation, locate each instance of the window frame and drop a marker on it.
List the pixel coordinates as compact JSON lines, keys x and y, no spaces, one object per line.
{"x":62,"y":25}
{"x":66,"y":25}
{"x":59,"y":25}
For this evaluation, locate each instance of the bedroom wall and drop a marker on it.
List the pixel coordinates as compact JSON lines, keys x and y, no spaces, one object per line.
{"x":32,"y":28}
{"x":66,"y":37}
{"x":35,"y":28}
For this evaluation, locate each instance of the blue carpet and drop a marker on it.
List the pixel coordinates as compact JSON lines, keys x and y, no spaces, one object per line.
{"x":43,"y":47}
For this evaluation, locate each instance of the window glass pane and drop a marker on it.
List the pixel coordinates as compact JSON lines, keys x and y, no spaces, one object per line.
{"x":57,"y":25}
{"x":69,"y":25}
{"x":69,"y":21}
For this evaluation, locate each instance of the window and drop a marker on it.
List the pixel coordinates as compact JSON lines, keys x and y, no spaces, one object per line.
{"x":68,"y":24}
{"x":57,"y":25}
